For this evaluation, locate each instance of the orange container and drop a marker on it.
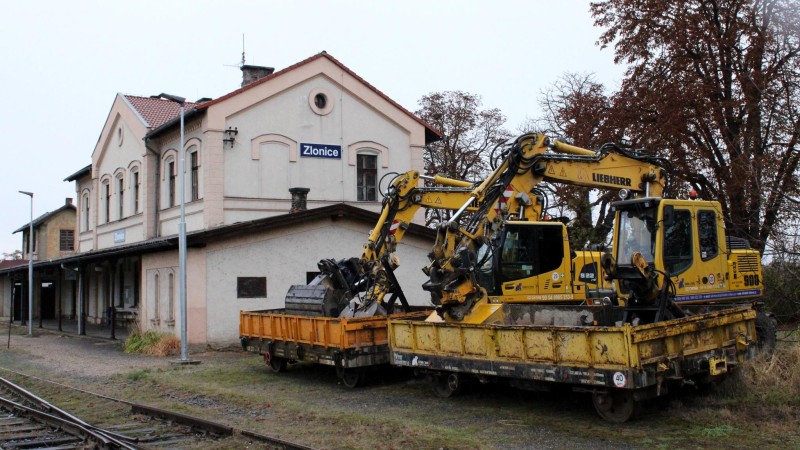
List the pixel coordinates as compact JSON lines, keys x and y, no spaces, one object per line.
{"x":332,"y":332}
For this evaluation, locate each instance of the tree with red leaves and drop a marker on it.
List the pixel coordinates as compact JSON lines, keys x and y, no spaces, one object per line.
{"x":714,"y":85}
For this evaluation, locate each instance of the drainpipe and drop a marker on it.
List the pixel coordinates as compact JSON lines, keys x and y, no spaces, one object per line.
{"x":158,"y":185}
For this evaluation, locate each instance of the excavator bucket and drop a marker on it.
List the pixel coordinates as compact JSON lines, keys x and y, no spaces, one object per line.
{"x":317,"y":300}
{"x":327,"y":294}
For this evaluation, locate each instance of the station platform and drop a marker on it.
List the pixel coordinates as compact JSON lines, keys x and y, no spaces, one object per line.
{"x":121,"y":331}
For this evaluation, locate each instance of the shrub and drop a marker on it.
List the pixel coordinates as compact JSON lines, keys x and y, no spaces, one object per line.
{"x":782,"y":291}
{"x":775,"y":377}
{"x":152,"y":343}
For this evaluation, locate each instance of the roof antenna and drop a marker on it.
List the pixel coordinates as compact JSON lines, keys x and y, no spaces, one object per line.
{"x":242,"y":63}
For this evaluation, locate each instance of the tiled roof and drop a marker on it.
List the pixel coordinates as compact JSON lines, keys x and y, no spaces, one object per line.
{"x":157,"y":111}
{"x":432,"y":134}
{"x":9,"y":263}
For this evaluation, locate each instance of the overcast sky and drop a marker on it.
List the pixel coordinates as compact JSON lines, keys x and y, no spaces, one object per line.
{"x":63,"y":63}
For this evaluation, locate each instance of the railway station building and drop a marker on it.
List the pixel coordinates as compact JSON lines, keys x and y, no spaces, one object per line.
{"x":280,"y":173}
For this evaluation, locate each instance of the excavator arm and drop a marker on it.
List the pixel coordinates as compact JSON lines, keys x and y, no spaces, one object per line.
{"x":368,"y":279}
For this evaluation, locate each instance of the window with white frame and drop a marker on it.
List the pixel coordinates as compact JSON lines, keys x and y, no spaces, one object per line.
{"x":120,"y":197}
{"x":195,"y":172}
{"x":171,"y":183}
{"x":135,"y":183}
{"x":85,"y":212}
{"x":106,"y":201}
{"x":366,"y":177}
{"x":156,"y":317}
{"x":171,"y":299}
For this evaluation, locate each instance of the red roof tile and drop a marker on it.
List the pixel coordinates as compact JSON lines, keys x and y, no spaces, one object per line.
{"x":432,"y":132}
{"x":9,"y":263}
{"x":157,"y":111}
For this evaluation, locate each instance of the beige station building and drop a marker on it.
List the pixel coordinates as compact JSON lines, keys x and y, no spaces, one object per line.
{"x":279,"y":174}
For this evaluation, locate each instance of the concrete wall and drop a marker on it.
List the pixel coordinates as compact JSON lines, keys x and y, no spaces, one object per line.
{"x":282,"y":256}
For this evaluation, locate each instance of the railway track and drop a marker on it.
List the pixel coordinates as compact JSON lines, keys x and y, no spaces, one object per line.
{"x":28,"y":421}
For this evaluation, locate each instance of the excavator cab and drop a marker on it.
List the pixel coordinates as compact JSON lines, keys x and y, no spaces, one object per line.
{"x":530,"y":263}
{"x":635,"y":232}
{"x":684,"y":244}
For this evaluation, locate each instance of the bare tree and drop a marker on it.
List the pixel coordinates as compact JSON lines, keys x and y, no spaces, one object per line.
{"x":15,"y":255}
{"x":469,"y":133}
{"x":714,"y":85}
{"x":576,"y":107}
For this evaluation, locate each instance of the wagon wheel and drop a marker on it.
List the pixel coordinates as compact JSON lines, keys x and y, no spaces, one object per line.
{"x":616,"y":406}
{"x":352,"y":377}
{"x":275,"y":363}
{"x":446,"y":385}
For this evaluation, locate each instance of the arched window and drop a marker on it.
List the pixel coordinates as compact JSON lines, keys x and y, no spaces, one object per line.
{"x":120,"y":185}
{"x":194,"y":175}
{"x":366,"y":177}
{"x":171,"y":306}
{"x":135,"y":185}
{"x":105,"y":192}
{"x":171,"y":173}
{"x":193,"y":180}
{"x":85,"y":211}
{"x":156,"y":299}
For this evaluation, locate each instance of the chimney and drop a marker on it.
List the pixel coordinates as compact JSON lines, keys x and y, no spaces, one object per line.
{"x":68,"y":201}
{"x":299,"y":195}
{"x":254,"y":73}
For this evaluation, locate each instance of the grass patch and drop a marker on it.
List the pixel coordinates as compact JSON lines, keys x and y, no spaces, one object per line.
{"x":152,"y":343}
{"x":718,"y":431}
{"x":769,"y":379}
{"x":138,"y":375}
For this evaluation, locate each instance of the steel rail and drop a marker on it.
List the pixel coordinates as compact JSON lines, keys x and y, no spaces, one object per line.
{"x":196,"y":422}
{"x":76,"y":429}
{"x":49,"y":412}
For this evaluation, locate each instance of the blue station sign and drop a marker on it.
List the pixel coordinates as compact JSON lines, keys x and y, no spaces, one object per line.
{"x":321,"y":151}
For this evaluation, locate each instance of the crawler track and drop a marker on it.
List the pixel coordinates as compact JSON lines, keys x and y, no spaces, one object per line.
{"x":28,"y":421}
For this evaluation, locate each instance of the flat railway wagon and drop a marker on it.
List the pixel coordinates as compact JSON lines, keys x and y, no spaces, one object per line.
{"x":351,"y":345}
{"x":587,"y":349}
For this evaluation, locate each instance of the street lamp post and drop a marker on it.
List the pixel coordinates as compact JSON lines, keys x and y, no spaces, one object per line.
{"x":181,"y":231}
{"x":30,"y":267}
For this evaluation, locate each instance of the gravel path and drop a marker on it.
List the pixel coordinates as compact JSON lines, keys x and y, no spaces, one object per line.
{"x":73,"y":356}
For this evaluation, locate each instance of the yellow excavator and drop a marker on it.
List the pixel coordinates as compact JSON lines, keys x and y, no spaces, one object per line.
{"x":668,"y":256}
{"x":496,"y":248}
